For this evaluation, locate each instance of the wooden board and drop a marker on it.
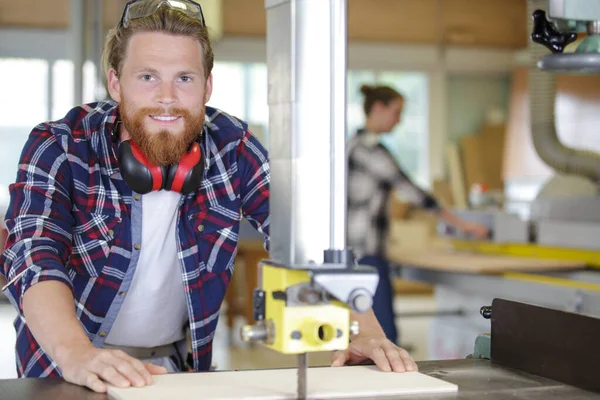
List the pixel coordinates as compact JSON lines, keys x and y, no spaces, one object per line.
{"x":323,"y":383}
{"x":477,"y":263}
{"x":457,"y":176}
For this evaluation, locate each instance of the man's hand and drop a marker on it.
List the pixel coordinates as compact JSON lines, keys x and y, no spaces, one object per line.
{"x":93,"y":367}
{"x":48,"y":308}
{"x":386,"y":355}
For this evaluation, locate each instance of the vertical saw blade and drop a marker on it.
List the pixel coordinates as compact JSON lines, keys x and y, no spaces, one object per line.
{"x":302,"y":372}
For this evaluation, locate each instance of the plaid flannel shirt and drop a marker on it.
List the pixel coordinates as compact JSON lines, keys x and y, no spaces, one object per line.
{"x":73,"y":219}
{"x":373,"y":175}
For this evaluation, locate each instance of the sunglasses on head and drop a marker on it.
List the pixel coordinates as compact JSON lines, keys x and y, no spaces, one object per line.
{"x":143,"y":8}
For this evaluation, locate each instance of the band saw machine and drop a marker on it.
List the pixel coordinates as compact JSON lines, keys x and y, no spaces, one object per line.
{"x":310,"y":282}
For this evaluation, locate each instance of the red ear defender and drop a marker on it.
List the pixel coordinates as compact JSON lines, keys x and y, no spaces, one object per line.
{"x":186,"y":176}
{"x":141,"y":176}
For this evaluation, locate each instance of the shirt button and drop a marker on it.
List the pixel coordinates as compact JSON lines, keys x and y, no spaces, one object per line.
{"x":137,"y":246}
{"x":200,"y":228}
{"x":137,"y":197}
{"x":111,"y":233}
{"x":102,"y":334}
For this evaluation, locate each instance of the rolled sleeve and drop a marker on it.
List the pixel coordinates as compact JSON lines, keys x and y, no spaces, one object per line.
{"x":38,"y":219}
{"x":48,"y":271}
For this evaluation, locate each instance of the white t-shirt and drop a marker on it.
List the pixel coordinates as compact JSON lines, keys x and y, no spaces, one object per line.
{"x":154,"y":311}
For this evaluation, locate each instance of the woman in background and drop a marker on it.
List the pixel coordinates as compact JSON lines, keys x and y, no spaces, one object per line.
{"x":373,"y":176}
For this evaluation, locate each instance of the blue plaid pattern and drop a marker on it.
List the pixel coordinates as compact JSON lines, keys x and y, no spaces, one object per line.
{"x":69,"y":220}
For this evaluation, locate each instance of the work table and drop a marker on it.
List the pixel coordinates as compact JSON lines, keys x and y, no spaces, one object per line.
{"x":476,"y":379}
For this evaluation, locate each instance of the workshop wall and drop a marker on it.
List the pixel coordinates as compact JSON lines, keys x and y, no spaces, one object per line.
{"x":451,"y":22}
{"x":470,"y":98}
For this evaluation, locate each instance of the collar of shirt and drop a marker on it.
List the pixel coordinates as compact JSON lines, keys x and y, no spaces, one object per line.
{"x":368,"y":138}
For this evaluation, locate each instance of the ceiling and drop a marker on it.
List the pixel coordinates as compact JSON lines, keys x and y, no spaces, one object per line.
{"x":477,"y":23}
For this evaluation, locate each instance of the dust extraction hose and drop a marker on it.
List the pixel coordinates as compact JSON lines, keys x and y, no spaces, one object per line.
{"x":542,"y":92}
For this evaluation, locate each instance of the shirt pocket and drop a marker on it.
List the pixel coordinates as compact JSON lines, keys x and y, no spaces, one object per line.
{"x":93,"y":237}
{"x":216,"y":230}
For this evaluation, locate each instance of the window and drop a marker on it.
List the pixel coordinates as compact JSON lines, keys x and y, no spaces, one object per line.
{"x":241,"y":90}
{"x":408,"y":142}
{"x":63,"y":86}
{"x":258,"y":105}
{"x":24,"y":83}
{"x":228,"y":84}
{"x":28,"y":83}
{"x":24,"y":104}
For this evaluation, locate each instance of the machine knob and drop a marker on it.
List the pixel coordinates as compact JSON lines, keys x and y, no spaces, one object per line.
{"x":544,"y":33}
{"x":486,"y":312}
{"x":360,"y":300}
{"x":254,"y":333}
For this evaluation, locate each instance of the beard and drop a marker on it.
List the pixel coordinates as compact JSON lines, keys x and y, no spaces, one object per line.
{"x":162,"y":147}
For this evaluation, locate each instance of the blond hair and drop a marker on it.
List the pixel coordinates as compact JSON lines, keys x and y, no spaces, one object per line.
{"x":165,"y":20}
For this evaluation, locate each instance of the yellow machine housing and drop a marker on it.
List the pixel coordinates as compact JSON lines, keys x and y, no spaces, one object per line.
{"x":295,"y":329}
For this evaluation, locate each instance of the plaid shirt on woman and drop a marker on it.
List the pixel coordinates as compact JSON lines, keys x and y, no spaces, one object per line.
{"x":73,"y":219}
{"x":373,"y":175}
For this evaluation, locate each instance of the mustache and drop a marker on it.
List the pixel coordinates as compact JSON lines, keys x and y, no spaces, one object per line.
{"x":174,"y":111}
{"x":162,"y":147}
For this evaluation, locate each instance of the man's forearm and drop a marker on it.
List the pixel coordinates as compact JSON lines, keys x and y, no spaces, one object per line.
{"x":368,"y":324}
{"x":50,"y":313}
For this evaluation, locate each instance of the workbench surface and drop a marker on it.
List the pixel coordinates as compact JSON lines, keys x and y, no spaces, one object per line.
{"x":476,"y":379}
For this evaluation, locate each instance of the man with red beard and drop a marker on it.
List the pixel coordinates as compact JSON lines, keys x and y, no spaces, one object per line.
{"x":124,"y":217}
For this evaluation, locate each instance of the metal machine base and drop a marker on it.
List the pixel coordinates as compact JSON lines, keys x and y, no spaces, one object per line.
{"x":453,"y":336}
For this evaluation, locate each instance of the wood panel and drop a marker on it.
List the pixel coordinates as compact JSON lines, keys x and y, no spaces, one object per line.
{"x":244,"y":18}
{"x":52,"y":14}
{"x":113,"y":9}
{"x":453,"y":22}
{"x":485,"y":22}
{"x":270,"y":384}
{"x":34,"y":13}
{"x":393,"y":21}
